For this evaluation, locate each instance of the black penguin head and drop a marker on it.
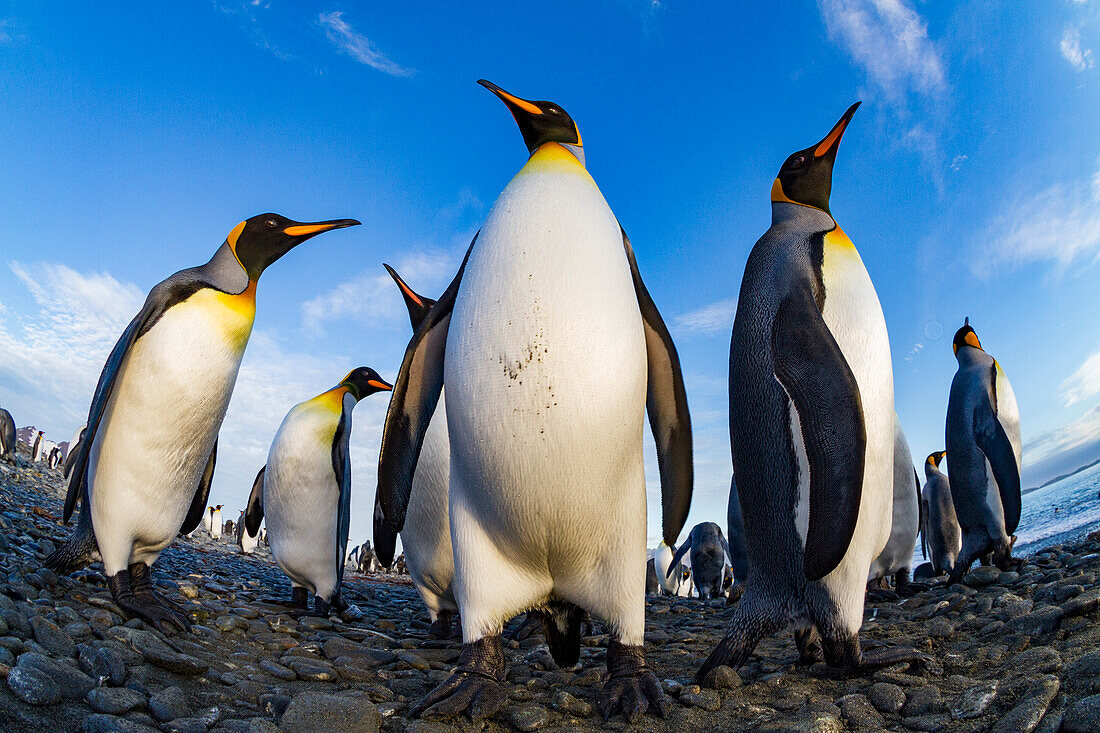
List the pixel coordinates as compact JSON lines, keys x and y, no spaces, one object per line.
{"x":935,"y":458}
{"x":363,"y":381}
{"x":539,"y":122}
{"x":965,"y":336}
{"x":259,"y":241}
{"x":418,"y":305}
{"x":807,"y":176}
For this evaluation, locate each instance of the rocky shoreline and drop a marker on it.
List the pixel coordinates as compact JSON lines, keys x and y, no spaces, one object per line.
{"x":1015,"y":651}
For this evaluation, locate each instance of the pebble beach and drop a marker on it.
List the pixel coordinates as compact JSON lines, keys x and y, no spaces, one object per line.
{"x":1009,"y":651}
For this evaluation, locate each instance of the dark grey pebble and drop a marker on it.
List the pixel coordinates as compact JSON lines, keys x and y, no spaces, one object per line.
{"x":859,"y":712}
{"x":52,"y":638}
{"x":527,"y":717}
{"x":115,"y":700}
{"x":72,"y":683}
{"x":1030,"y":709}
{"x":315,"y":712}
{"x":100,"y":723}
{"x":169,"y":704}
{"x":1083,"y":716}
{"x":33,"y":686}
{"x":887,"y":697}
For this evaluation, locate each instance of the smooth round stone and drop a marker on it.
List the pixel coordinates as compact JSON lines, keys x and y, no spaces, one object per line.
{"x":314,"y":712}
{"x":887,"y":697}
{"x":527,"y":717}
{"x":33,"y":686}
{"x":973,"y":702}
{"x":1083,"y":716}
{"x":169,"y":704}
{"x":52,"y":638}
{"x":115,"y":700}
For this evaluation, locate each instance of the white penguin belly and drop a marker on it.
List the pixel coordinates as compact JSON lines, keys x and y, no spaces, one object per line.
{"x":426,"y":537}
{"x":301,"y":498}
{"x":159,"y":427}
{"x":546,"y":385}
{"x":854,"y":316}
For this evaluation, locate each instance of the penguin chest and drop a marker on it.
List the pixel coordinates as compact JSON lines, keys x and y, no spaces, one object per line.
{"x":163,"y":417}
{"x":545,"y":361}
{"x":301,"y":497}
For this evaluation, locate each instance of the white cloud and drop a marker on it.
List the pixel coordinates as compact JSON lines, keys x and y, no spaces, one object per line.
{"x":1060,"y":223}
{"x":1079,"y":58}
{"x":710,"y":318}
{"x":889,"y":40}
{"x":957,"y":162}
{"x":371,"y":296}
{"x":1076,"y":443}
{"x":6,"y":27}
{"x":358,"y":46}
{"x":1083,"y":383}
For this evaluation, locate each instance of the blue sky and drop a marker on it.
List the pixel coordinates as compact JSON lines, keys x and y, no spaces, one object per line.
{"x":134,"y":139}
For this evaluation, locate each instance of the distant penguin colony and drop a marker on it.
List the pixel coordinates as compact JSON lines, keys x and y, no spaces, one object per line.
{"x":303,"y":494}
{"x":147,"y":459}
{"x":983,"y":448}
{"x":511,"y":460}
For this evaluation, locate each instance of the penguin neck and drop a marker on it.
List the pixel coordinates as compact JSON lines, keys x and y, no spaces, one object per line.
{"x":931,"y":470}
{"x":968,"y":356}
{"x":785,"y":211}
{"x":226,"y":272}
{"x":556,"y":158}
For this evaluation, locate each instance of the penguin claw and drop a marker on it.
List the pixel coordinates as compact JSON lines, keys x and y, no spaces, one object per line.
{"x":475,"y":687}
{"x":632,"y":688}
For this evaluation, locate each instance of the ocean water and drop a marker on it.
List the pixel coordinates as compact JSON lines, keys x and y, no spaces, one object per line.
{"x":1062,"y":512}
{"x":1066,"y":510}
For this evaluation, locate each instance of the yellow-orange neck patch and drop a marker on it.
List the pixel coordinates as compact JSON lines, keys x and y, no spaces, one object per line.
{"x":553,"y":157}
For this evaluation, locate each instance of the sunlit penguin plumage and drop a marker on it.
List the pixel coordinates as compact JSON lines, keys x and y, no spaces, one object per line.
{"x":811,"y":426}
{"x":552,"y":345}
{"x":246,"y":542}
{"x":143,"y":471}
{"x":983,"y":448}
{"x":304,"y":493}
{"x":940,"y":533}
{"x":670,"y":581}
{"x":426,"y":536}
{"x":896,"y":559}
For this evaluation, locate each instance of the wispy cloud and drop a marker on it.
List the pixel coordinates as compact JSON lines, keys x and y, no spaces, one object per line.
{"x":1063,"y":449}
{"x":1059,"y":224}
{"x":1079,"y":58}
{"x":7,"y":25}
{"x":358,"y":46}
{"x":710,"y":318}
{"x":1083,"y":383}
{"x":371,"y":295}
{"x":889,"y":40}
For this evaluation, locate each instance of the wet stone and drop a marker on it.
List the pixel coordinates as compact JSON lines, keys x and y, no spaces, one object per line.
{"x":922,"y":700}
{"x":695,"y":697}
{"x":982,"y":576}
{"x":973,"y":702}
{"x":277,"y":670}
{"x":926,"y":722}
{"x":1082,"y":716}
{"x":1030,"y":709}
{"x":313,"y":712}
{"x":1037,"y":659}
{"x":312,"y":670}
{"x":52,"y":638}
{"x":169,"y":704}
{"x":72,"y":683}
{"x":33,"y":686}
{"x":886,"y":697}
{"x":102,"y":723}
{"x":102,"y":664}
{"x":860,"y":713}
{"x":115,"y":700}
{"x":571,"y":705}
{"x":527,"y":717}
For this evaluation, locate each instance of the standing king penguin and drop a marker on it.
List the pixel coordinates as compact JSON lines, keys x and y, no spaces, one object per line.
{"x":811,"y":426}
{"x":940,"y":534}
{"x":551,"y":350}
{"x":304,"y":491}
{"x":426,"y":536}
{"x":983,"y":440}
{"x":145,"y":464}
{"x":896,"y":559}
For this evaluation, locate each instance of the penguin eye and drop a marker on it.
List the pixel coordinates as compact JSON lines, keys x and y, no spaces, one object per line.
{"x":798,"y":161}
{"x":271,"y":223}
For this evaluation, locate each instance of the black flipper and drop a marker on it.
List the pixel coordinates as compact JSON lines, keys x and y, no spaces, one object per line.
{"x":341,"y":465}
{"x":254,"y":511}
{"x":811,"y":368}
{"x":920,"y":512}
{"x":923,"y":529}
{"x":202,"y":493}
{"x":994,"y":443}
{"x":666,"y":403}
{"x":417,"y":304}
{"x":415,"y":395}
{"x":675,"y":564}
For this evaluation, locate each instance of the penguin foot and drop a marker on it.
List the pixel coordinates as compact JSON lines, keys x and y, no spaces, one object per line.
{"x":531,"y":624}
{"x":442,"y":628}
{"x":299,"y":598}
{"x":632,"y":688}
{"x":736,"y":591}
{"x":912,"y":588}
{"x":808,"y":642}
{"x":476,"y":687}
{"x":846,"y":658}
{"x":141,"y":583}
{"x":149,"y":607}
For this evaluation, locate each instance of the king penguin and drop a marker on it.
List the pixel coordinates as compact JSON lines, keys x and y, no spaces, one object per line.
{"x":670,"y":580}
{"x":811,"y":426}
{"x":246,"y":542}
{"x":709,"y":552}
{"x":940,"y":533}
{"x":215,"y":528}
{"x":304,"y":491}
{"x":896,"y":559}
{"x":426,"y":536}
{"x":145,"y":464}
{"x":983,"y":442}
{"x":7,"y":436}
{"x":36,"y":448}
{"x":551,"y":350}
